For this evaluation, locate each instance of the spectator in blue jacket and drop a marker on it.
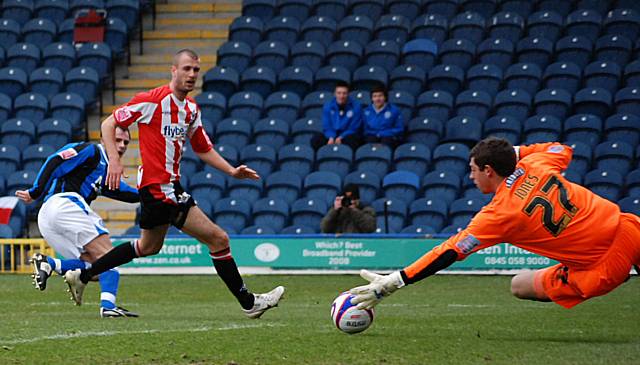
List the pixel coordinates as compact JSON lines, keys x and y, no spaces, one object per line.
{"x":383,"y":121}
{"x":341,"y":120}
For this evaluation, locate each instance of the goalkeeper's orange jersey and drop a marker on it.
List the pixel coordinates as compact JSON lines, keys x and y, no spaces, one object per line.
{"x":540,"y":211}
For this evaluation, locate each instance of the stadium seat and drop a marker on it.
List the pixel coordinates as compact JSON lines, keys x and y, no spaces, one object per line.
{"x":247,"y":29}
{"x":574,"y":49}
{"x":247,"y":189}
{"x":562,"y":75}
{"x":54,"y":132}
{"x":613,"y":48}
{"x":222,"y":80}
{"x":584,"y":23}
{"x":35,"y":155}
{"x":308,"y":212}
{"x":235,"y":55}
{"x":284,"y":185}
{"x":373,"y":157}
{"x":451,"y":157}
{"x":336,"y":9}
{"x":496,"y":51}
{"x":409,"y":8}
{"x":257,"y":230}
{"x":614,"y":156}
{"x":207,"y":186}
{"x":313,"y":103}
{"x":631,"y":75}
{"x":446,"y":78}
{"x":19,"y":10}
{"x":296,"y":79}
{"x":9,"y":160}
{"x":603,"y":74}
{"x":632,"y":183}
{"x":126,"y":10}
{"x":627,"y":4}
{"x":6,"y":107}
{"x":413,"y":157}
{"x":524,"y":76}
{"x":271,"y":132}
{"x":283,"y":29}
{"x":357,"y":28}
{"x":368,"y":184}
{"x":298,"y":230}
{"x":46,"y":81}
{"x":233,"y":132}
{"x":446,"y":8}
{"x":327,"y":76}
{"x":304,"y":129}
{"x":190,"y":163}
{"x":601,"y":7}
{"x":463,"y":129}
{"x":308,"y":54}
{"x":85,"y":81}
{"x":95,"y":55}
{"x":234,"y":213}
{"x":503,"y":126}
{"x":39,"y":32}
{"x":212,"y":105}
{"x":520,"y":7}
{"x":572,"y":176}
{"x":474,"y":104}
{"x":606,"y":183}
{"x":420,"y":52}
{"x":396,"y":212}
{"x":624,"y":22}
{"x":299,"y":9}
{"x":506,"y":25}
{"x":346,"y":54}
{"x":59,"y":55}
{"x":594,"y":101}
{"x":262,"y":9}
{"x":467,"y":25}
{"x":20,"y":180}
{"x":435,"y":104}
{"x":401,"y":185}
{"x":547,"y":24}
{"x":116,"y":36}
{"x":335,"y":158}
{"x":485,"y":8}
{"x":382,"y":53}
{"x":31,"y":106}
{"x":623,"y":128}
{"x":457,"y":52}
{"x":462,"y":210}
{"x":271,"y":213}
{"x":392,"y":27}
{"x":628,"y":100}
{"x":296,"y":158}
{"x":425,"y":130}
{"x":367,"y":77}
{"x":404,"y":101}
{"x":562,"y":7}
{"x":581,"y":159}
{"x":486,"y":78}
{"x":418,"y":230}
{"x":66,"y":30}
{"x":585,"y":128}
{"x":319,"y":29}
{"x":430,"y":26}
{"x":282,"y":105}
{"x":77,"y":5}
{"x":431,"y":212}
{"x":371,"y":8}
{"x":408,"y":78}
{"x":9,"y":33}
{"x":273,"y":54}
{"x":260,"y":158}
{"x":630,"y":205}
{"x":554,"y":102}
{"x":442,"y":185}
{"x":322,"y":185}
{"x":25,"y":56}
{"x":18,"y":132}
{"x":541,"y":128}
{"x":512,"y":102}
{"x":68,"y":106}
{"x":362,"y":97}
{"x":258,"y":79}
{"x":245,"y":105}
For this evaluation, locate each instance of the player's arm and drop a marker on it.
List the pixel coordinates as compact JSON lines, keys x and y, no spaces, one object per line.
{"x":557,"y":154}
{"x":115,"y":170}
{"x":125,"y":193}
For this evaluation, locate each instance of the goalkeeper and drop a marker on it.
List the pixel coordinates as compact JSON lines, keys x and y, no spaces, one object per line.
{"x":537,"y":209}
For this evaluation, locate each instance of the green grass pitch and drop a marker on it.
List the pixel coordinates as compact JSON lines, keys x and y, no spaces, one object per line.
{"x":194,"y":320}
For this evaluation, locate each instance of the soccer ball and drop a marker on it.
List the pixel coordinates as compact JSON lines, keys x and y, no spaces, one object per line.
{"x":347,"y":317}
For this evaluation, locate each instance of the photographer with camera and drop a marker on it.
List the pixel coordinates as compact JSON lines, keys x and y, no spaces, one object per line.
{"x":347,"y":214}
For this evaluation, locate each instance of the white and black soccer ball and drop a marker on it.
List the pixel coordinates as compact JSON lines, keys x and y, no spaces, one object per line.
{"x":347,"y":317}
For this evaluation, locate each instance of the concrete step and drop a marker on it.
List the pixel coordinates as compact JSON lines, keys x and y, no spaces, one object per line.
{"x":118,"y":228}
{"x":201,"y":1}
{"x":202,"y":7}
{"x":166,"y":59}
{"x":218,"y":24}
{"x":201,"y":15}
{"x":187,"y":34}
{"x":171,"y":46}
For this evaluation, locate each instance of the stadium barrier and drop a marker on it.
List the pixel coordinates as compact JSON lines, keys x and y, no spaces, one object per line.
{"x":16,"y":252}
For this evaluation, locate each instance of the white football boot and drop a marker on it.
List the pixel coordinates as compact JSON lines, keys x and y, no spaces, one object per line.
{"x":76,"y":286}
{"x":264,"y":302}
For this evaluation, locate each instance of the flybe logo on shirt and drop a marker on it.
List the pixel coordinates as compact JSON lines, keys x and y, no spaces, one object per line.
{"x":513,"y":177}
{"x":173,"y":131}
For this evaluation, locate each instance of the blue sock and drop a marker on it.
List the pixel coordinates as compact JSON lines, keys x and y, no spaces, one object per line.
{"x":62,"y":266}
{"x":109,"y":288}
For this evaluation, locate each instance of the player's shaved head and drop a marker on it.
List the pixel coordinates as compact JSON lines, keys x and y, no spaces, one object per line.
{"x":495,"y":152}
{"x":185,"y":51}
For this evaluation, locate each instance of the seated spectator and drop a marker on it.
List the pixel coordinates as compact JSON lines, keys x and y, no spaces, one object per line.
{"x":383,"y":121}
{"x":347,"y":214}
{"x":341,"y":120}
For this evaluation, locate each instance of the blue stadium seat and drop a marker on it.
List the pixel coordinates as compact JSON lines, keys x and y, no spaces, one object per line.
{"x":486,"y":78}
{"x":319,"y":29}
{"x":420,"y":53}
{"x":473,"y":103}
{"x":247,"y":189}
{"x":212,"y":105}
{"x":296,"y":158}
{"x":283,"y":29}
{"x":77,"y":5}
{"x":606,"y":183}
{"x":39,"y":32}
{"x":308,"y":54}
{"x":453,"y":157}
{"x":446,"y":78}
{"x":409,"y":8}
{"x":335,"y":158}
{"x":65,"y":31}
{"x":190,"y":163}
{"x":9,"y":33}
{"x":336,"y":9}
{"x":229,"y":153}
{"x":446,"y":8}
{"x":233,"y":213}
{"x":31,"y":106}
{"x":6,"y":107}
{"x":95,"y":55}
{"x":298,"y":229}
{"x":373,"y":157}
{"x":541,"y":128}
{"x":503,"y":126}
{"x":404,"y":101}
{"x":258,"y":157}
{"x":362,"y":97}
{"x":223,"y":80}
{"x":273,"y":54}
{"x":345,"y":54}
{"x":442,"y":185}
{"x":19,"y":10}
{"x":628,"y":100}
{"x":425,"y":130}
{"x":299,"y":9}
{"x":594,"y":101}
{"x":271,"y":213}
{"x":304,"y":129}
{"x":382,"y":53}
{"x":262,"y":9}
{"x":247,"y":29}
{"x":632,"y":183}
{"x":46,"y":81}
{"x":357,"y":28}
{"x":396,"y":212}
{"x":630,"y":205}
{"x":513,"y":102}
{"x":245,"y":105}
{"x":54,"y":132}
{"x":123,"y":9}
{"x":233,"y":132}
{"x":366,"y":77}
{"x":414,"y":157}
{"x":59,"y":55}
{"x":585,"y":128}
{"x":296,"y":79}
{"x":327,"y":76}
{"x":408,"y":78}
{"x":418,"y":230}
{"x":68,"y":106}
{"x":520,"y":7}
{"x":117,"y":36}
{"x":258,"y":79}
{"x":313,"y":103}
{"x":457,"y":52}
{"x":18,"y":132}
{"x":401,"y":185}
{"x":235,"y":55}
{"x":562,"y":75}
{"x":572,"y":176}
{"x":485,"y":8}
{"x":613,"y":48}
{"x":322,"y":185}
{"x":392,"y":27}
{"x":284,"y":185}
{"x":574,"y":49}
{"x":603,"y":74}
{"x":463,"y":129}
{"x":562,"y":7}
{"x":546,"y":24}
{"x":584,"y":23}
{"x":623,"y":128}
{"x":631,"y":75}
{"x":430,"y":26}
{"x":9,"y":160}
{"x":600,"y":7}
{"x":535,"y":50}
{"x":614,"y":156}
{"x":506,"y":25}
{"x":257,"y":230}
{"x":462,"y":210}
{"x":308,"y":212}
{"x":624,"y":22}
{"x":33,"y":156}
{"x":554,"y":102}
{"x":467,"y":25}
{"x":496,"y":51}
{"x":582,"y":157}
{"x":25,"y":56}
{"x":85,"y":81}
{"x":207,"y":186}
{"x":431,"y":212}
{"x":368,"y":184}
{"x":371,"y":8}
{"x":271,"y":132}
{"x":282,"y":105}
{"x":524,"y":76}
{"x":627,"y":4}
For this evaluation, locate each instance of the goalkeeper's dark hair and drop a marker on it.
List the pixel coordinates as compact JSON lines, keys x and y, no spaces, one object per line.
{"x":497,"y":153}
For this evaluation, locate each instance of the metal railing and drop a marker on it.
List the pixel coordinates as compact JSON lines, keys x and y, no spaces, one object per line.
{"x":16,"y":252}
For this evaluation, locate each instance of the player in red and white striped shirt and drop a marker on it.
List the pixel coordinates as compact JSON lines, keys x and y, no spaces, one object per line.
{"x":166,"y":116}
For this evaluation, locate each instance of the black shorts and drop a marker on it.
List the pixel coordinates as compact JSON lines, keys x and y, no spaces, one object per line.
{"x":168,"y":206}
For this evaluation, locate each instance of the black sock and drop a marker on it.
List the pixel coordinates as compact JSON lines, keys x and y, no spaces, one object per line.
{"x":119,"y":255}
{"x":228,"y":271}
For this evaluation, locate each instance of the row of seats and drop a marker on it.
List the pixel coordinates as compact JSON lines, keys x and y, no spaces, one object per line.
{"x":28,"y":157}
{"x":31,"y":110}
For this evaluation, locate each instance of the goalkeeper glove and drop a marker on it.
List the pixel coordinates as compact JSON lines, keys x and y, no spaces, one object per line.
{"x":380,"y":286}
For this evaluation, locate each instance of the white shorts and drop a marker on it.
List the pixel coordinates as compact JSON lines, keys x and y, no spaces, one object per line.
{"x":67,"y":223}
